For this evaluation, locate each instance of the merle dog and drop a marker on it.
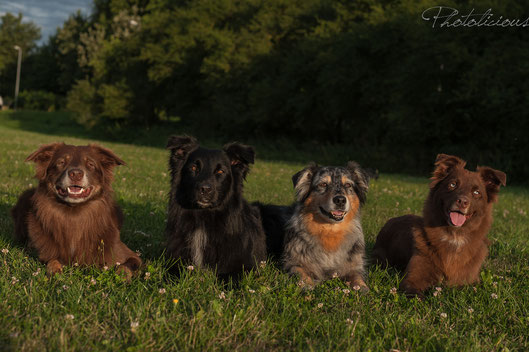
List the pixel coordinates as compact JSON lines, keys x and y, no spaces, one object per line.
{"x":324,"y":236}
{"x":209,"y":223}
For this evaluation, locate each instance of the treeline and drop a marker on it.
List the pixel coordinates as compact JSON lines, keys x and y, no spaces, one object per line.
{"x":370,"y":74}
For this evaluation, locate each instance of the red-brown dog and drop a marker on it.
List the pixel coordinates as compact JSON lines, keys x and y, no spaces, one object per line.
{"x":449,"y":243}
{"x":71,"y":217}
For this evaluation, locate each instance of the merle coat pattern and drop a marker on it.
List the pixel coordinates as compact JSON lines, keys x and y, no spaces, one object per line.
{"x":324,"y":237}
{"x":209,"y":223}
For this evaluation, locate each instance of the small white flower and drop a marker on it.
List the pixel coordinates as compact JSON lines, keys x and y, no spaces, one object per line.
{"x":147,"y":275}
{"x":262,"y":264}
{"x":14,"y":280}
{"x":346,"y":291}
{"x":222,"y":295}
{"x":393,"y":291}
{"x":334,"y":275}
{"x":356,"y":287}
{"x":118,"y":263}
{"x":36,"y":273}
{"x":93,"y":281}
{"x":75,"y":264}
{"x":320,"y":305}
{"x":5,"y":250}
{"x":349,"y":321}
{"x":494,"y":296}
{"x":495,"y":284}
{"x":134,"y":324}
{"x":190,"y":268}
{"x":438,"y":289}
{"x":138,"y":253}
{"x":470,"y":310}
{"x":69,"y":316}
{"x":105,"y":268}
{"x":65,"y":287}
{"x":436,"y":293}
{"x":162,"y":291}
{"x":444,"y":315}
{"x":251,"y":291}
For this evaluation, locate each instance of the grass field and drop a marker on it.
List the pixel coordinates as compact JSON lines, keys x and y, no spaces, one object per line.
{"x":87,"y":309}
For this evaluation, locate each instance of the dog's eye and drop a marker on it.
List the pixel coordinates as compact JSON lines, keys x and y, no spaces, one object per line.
{"x":452,"y":185}
{"x":60,"y":163}
{"x":476,"y":192}
{"x":90,"y":165}
{"x":219,"y":172}
{"x":322,"y":185}
{"x":348,"y":185}
{"x":194,"y":168}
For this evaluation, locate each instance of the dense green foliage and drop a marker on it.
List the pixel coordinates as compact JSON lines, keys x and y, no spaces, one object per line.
{"x":89,"y":309}
{"x":370,"y":74}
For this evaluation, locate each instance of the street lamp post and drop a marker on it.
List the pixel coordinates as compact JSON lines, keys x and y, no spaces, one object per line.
{"x":17,"y":84}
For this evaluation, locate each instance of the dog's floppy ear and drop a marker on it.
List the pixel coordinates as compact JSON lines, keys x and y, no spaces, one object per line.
{"x":360,"y":178}
{"x":241,"y":156}
{"x":302,"y":181}
{"x":107,"y":158}
{"x":42,"y":158}
{"x":492,"y":179}
{"x":181,"y":146}
{"x":444,"y":164}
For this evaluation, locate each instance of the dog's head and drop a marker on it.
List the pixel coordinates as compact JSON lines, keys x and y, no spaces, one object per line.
{"x":331,"y":192}
{"x":206,"y":178}
{"x":460,"y":194}
{"x":75,"y":174}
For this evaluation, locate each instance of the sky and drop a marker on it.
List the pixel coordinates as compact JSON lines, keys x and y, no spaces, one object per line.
{"x":47,"y":14}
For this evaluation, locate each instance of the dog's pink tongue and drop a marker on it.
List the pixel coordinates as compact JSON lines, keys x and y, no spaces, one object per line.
{"x":457,"y":219}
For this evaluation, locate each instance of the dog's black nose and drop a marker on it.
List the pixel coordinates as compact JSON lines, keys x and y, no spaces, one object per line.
{"x":339,"y":200}
{"x":205,"y":190}
{"x":76,"y":174}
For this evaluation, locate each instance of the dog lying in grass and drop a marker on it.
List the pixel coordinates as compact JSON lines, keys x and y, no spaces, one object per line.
{"x":324,"y":237}
{"x":209,"y":222}
{"x":71,"y":217}
{"x":449,"y":243}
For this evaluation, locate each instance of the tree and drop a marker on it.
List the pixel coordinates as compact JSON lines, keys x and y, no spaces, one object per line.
{"x":14,"y":32}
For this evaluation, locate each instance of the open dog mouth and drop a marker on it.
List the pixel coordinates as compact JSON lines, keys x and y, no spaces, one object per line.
{"x":458,"y":218}
{"x":336,"y":215}
{"x":77,"y":192}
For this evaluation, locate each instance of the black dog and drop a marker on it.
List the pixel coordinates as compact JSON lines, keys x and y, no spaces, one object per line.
{"x":209,"y":222}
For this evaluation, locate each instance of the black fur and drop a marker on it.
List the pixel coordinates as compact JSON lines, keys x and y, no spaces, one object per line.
{"x":209,"y":222}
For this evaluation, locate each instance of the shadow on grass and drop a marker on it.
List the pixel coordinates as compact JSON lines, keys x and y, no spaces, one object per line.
{"x":62,"y":124}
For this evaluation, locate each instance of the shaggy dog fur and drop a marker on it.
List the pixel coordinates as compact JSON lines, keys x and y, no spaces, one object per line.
{"x":324,"y":236}
{"x":449,"y":243}
{"x":209,"y":222}
{"x":71,"y":216}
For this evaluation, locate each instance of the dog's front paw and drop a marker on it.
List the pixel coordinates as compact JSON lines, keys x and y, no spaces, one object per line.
{"x":53,"y":267}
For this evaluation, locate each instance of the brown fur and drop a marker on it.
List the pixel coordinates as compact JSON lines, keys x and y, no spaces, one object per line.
{"x":330,"y":236}
{"x":432,"y":249}
{"x":64,"y":232}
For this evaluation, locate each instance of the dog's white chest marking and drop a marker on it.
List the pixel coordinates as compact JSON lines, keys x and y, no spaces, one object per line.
{"x":456,"y":241}
{"x":198,"y":244}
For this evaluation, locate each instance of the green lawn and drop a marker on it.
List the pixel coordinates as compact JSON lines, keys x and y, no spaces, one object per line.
{"x":88,"y":309}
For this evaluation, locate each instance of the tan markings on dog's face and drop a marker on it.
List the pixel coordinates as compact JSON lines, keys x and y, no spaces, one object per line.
{"x":76,"y":174}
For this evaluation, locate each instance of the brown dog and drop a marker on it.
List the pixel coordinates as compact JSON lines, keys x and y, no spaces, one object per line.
{"x":71,"y":216}
{"x":449,"y":243}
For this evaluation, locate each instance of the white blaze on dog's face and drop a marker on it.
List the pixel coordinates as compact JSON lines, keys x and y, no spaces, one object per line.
{"x":75,"y":174}
{"x":331,"y":192}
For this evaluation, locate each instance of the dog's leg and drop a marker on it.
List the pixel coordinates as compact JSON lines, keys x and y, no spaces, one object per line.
{"x":355,"y":279}
{"x":53,"y":267}
{"x":305,"y":279}
{"x":421,"y":274}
